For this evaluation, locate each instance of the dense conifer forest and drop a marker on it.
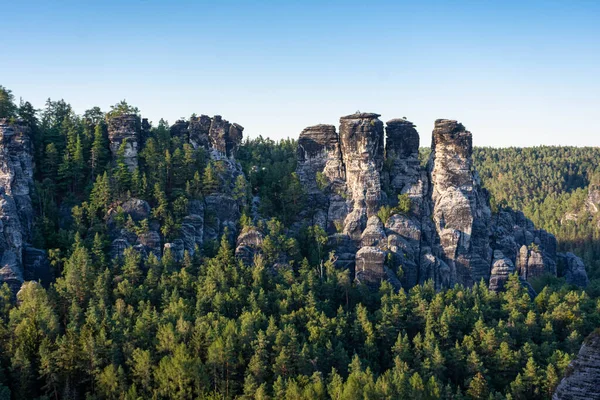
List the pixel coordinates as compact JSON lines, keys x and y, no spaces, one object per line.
{"x":209,"y":326}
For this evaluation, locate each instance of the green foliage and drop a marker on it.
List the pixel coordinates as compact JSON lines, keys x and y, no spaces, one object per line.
{"x":291,"y":325}
{"x":8,"y":108}
{"x":121,"y":108}
{"x":403,"y":207}
{"x":384,"y":213}
{"x":322,"y":181}
{"x":404,"y":204}
{"x":551,"y":186}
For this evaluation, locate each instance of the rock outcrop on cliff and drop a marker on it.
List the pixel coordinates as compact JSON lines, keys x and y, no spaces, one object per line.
{"x":361,"y":142}
{"x":387,"y":217}
{"x":447,"y":233}
{"x":208,"y":218}
{"x":460,"y":211}
{"x":124,"y":135}
{"x":224,"y":137}
{"x":582,"y":378}
{"x":18,"y":260}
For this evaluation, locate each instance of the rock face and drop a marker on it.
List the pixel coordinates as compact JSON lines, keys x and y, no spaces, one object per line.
{"x":402,"y":151}
{"x":361,"y":140}
{"x":123,"y":237}
{"x":502,"y":267}
{"x":460,"y":211}
{"x":342,"y":175}
{"x":582,"y":378}
{"x":125,"y":129}
{"x":370,"y":265}
{"x":180,"y":130}
{"x":573,"y":270}
{"x":248,"y":245}
{"x":319,"y":152}
{"x":18,"y":260}
{"x":224,"y":137}
{"x":198,"y":131}
{"x":207,"y":219}
{"x":192,"y":227}
{"x":447,"y":233}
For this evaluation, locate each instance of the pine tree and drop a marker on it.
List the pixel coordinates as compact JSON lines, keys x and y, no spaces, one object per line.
{"x":99,"y":154}
{"x":210,"y":180}
{"x":8,"y":109}
{"x":51,"y":162}
{"x":121,"y":172}
{"x":478,"y":388}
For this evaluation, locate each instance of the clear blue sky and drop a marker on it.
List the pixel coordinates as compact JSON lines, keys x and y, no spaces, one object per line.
{"x":515,"y":73}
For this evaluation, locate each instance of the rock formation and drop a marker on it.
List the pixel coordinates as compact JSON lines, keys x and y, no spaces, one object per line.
{"x":198,"y":131}
{"x":446,"y":234}
{"x":224,"y":137}
{"x":582,"y":378}
{"x":145,"y":241}
{"x":502,"y":267}
{"x":319,"y":153}
{"x":18,"y":260}
{"x":460,"y":211}
{"x":124,"y":130}
{"x":248,"y":245}
{"x":207,"y":219}
{"x":572,"y":268}
{"x":180,"y":130}
{"x":402,"y":151}
{"x":361,"y":141}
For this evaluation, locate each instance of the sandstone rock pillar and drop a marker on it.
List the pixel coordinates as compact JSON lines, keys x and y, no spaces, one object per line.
{"x":125,"y":129}
{"x":361,"y":140}
{"x":460,"y":212}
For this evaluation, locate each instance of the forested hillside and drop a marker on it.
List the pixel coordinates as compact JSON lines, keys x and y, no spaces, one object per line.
{"x":126,"y":318}
{"x":556,"y":187}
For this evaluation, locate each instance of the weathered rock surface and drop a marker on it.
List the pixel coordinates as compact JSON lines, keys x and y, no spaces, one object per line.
{"x":16,"y":212}
{"x":145,"y":242}
{"x":532,"y":263}
{"x":582,"y":378}
{"x":176,"y":248}
{"x":319,"y":152}
{"x":192,"y":227}
{"x":402,"y":153}
{"x":460,"y":211}
{"x":502,"y":267}
{"x":224,"y":137}
{"x":180,"y":130}
{"x":573,"y":269}
{"x":361,"y":141}
{"x":198,"y":131}
{"x":370,"y":262}
{"x":125,"y":129}
{"x":248,"y":245}
{"x":448,"y":234}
